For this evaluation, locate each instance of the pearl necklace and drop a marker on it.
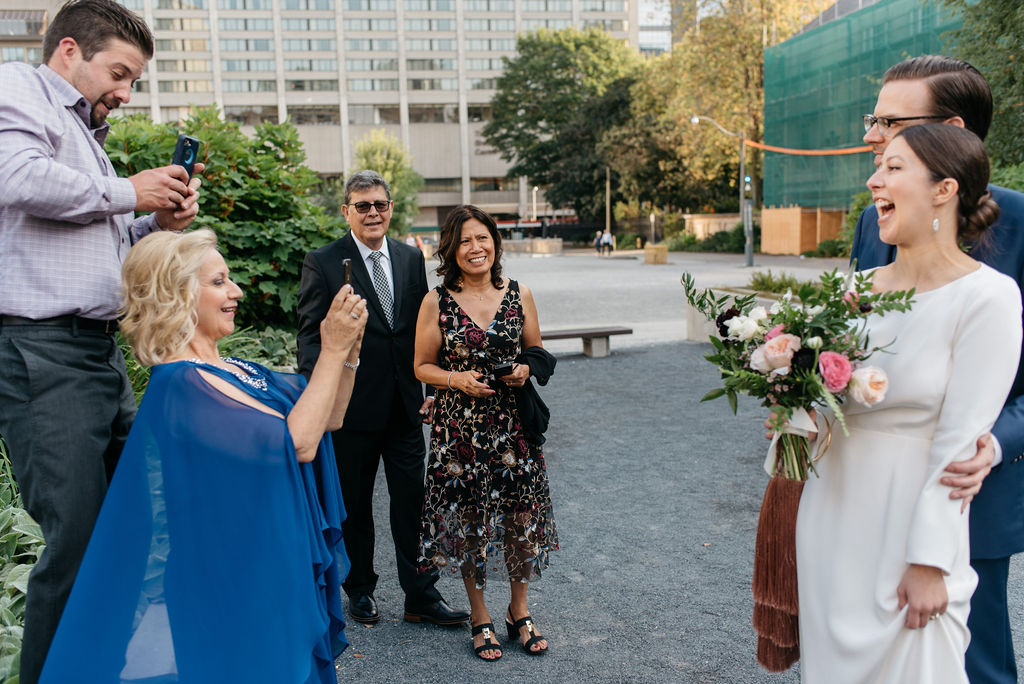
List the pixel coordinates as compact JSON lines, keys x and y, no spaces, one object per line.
{"x":251,"y":377}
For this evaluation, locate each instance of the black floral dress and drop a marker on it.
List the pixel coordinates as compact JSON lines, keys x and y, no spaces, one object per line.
{"x":487,"y":504}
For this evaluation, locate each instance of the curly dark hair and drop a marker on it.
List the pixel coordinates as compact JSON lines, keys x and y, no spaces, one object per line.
{"x":448,"y":245}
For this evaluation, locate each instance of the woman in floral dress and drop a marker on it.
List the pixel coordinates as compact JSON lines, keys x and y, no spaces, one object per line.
{"x":487,"y":506}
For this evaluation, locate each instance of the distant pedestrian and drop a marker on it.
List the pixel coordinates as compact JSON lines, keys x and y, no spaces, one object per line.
{"x":607,"y":242}
{"x":597,"y":242}
{"x":487,"y":507}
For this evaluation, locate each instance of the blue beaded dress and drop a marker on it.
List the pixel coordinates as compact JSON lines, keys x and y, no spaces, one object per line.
{"x":217,"y":556}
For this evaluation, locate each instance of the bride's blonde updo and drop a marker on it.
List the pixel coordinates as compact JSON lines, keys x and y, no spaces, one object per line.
{"x":161,"y":282}
{"x":953,"y":152}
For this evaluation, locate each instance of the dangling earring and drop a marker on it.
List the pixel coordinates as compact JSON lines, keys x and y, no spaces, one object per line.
{"x":935,"y":224}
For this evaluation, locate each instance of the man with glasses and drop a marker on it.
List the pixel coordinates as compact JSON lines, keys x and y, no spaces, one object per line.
{"x":936,"y":88}
{"x":385,"y":416}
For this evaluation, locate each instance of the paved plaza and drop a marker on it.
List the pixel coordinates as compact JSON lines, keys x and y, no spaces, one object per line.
{"x":656,"y":498}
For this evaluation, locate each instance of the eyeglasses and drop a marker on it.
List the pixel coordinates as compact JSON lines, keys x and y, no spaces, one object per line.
{"x":885,"y":122}
{"x":364,"y":207}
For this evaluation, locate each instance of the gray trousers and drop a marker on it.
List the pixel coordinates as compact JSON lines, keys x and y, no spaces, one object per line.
{"x":65,"y":409}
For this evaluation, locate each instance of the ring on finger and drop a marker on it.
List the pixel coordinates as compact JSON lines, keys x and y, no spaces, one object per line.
{"x":353,"y":314}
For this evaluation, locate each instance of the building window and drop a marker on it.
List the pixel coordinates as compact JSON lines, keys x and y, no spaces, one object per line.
{"x":245,"y":24}
{"x":22,"y":23}
{"x":441,"y":64}
{"x":492,"y":64}
{"x":478,"y":112}
{"x":442,"y":185}
{"x":386,"y":64}
{"x":182,"y":65}
{"x":316,"y":115}
{"x":433,"y":113}
{"x":484,"y":25}
{"x":31,"y":55}
{"x":307,"y":4}
{"x":250,"y":115}
{"x":364,"y":84}
{"x":136,"y":5}
{"x":245,"y":4}
{"x":553,"y":24}
{"x":604,"y":5}
{"x":429,"y":24}
{"x":501,"y":184}
{"x":490,"y":5}
{"x":185,"y":86}
{"x":430,"y":44}
{"x":433,"y":84}
{"x":311,"y":85}
{"x":430,"y":5}
{"x":547,"y":5}
{"x":250,"y":86}
{"x":183,"y":45}
{"x":374,"y":25}
{"x":310,"y":65}
{"x":140,"y":87}
{"x":247,"y":65}
{"x":178,"y":24}
{"x":180,"y":4}
{"x":250,"y":45}
{"x":606,"y":24}
{"x":174,"y":114}
{"x":491,"y":44}
{"x":371,"y":45}
{"x":480,"y":83}
{"x":373,"y":115}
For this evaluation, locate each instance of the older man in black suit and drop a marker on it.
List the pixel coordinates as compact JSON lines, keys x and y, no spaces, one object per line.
{"x":387,"y":407}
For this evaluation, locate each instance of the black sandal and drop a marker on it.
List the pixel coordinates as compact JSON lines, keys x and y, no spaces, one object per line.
{"x":488,"y":631}
{"x":513,"y":633}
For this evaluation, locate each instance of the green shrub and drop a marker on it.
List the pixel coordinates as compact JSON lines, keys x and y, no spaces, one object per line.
{"x":21,"y":543}
{"x":626,"y":240}
{"x":1009,"y":177}
{"x":256,"y":195}
{"x":682,"y":242}
{"x":765,"y":281}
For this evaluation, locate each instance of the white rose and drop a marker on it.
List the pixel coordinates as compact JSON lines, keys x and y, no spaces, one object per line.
{"x":758,"y":314}
{"x":758,"y":362}
{"x":775,"y":308}
{"x":742,"y":328}
{"x":868,"y":385}
{"x":813,"y":311}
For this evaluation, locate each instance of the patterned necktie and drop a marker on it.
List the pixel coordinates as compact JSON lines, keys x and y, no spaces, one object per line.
{"x":380,"y":284}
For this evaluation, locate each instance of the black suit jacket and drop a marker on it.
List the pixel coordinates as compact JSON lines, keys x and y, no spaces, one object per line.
{"x":385,"y":362}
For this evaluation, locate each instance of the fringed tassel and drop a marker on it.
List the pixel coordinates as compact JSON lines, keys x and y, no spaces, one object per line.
{"x":776,"y":601}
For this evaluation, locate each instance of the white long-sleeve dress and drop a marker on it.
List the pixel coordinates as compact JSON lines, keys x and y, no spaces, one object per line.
{"x":878,"y":506}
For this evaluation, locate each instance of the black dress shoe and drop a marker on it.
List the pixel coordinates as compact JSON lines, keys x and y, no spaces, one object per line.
{"x":438,"y":612}
{"x":363,"y":609}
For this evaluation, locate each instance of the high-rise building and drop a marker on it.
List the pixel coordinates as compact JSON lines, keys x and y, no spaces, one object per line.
{"x":424,"y":70}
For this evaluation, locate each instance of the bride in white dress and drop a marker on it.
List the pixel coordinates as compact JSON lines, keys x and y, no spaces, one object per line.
{"x":882,"y":551}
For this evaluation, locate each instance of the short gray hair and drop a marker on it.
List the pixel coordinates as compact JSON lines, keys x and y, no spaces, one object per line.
{"x":365,"y":180}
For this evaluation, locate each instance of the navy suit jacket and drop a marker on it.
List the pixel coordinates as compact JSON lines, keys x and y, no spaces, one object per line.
{"x":997,"y":513}
{"x":385,"y":360}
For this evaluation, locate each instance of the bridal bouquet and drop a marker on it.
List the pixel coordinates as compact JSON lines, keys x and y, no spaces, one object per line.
{"x":808,"y":349}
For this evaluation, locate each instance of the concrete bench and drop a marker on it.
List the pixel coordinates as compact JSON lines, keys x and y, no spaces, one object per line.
{"x":595,"y":340}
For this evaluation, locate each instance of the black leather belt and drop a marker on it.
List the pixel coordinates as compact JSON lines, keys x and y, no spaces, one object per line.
{"x":71,"y":322}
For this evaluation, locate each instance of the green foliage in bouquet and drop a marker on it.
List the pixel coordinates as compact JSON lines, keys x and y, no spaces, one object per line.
{"x":805,"y":350}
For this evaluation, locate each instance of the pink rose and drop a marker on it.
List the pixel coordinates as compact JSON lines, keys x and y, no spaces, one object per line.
{"x":758,"y":362}
{"x":774,"y":332}
{"x":835,"y":370}
{"x":868,"y":385}
{"x":778,"y":351}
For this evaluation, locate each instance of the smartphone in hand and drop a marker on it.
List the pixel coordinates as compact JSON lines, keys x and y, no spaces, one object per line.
{"x":502,"y":369}
{"x":185,"y":153}
{"x":346,"y":271}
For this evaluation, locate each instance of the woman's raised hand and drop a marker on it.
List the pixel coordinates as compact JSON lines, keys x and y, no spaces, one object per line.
{"x":469,"y":382}
{"x":343,"y":326}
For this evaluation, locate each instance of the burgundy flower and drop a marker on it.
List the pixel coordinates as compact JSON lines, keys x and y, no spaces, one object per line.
{"x":475,"y":337}
{"x":725,"y":317}
{"x":465,"y":451}
{"x":522,"y":446}
{"x":510,"y":314}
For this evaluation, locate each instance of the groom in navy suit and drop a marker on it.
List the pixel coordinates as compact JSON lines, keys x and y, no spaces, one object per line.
{"x":935,"y":88}
{"x":383,"y":421}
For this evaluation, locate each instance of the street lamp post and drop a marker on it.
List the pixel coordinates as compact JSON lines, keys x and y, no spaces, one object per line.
{"x":652,"y":227}
{"x":746,"y":208}
{"x":534,"y":203}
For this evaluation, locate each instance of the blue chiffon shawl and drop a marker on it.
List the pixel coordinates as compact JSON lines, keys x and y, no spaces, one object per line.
{"x":217,"y":556}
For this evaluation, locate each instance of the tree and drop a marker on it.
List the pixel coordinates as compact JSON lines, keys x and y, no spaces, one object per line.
{"x":384,"y":153}
{"x":547,"y":110}
{"x":990,"y":39}
{"x":255,"y":196}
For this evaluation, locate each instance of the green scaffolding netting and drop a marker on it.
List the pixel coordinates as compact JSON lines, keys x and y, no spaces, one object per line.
{"x":819,"y":85}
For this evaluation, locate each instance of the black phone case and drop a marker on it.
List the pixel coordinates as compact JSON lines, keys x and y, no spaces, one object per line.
{"x":185,"y":153}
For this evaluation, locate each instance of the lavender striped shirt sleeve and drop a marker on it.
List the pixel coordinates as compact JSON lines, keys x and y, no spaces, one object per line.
{"x":66,"y":220}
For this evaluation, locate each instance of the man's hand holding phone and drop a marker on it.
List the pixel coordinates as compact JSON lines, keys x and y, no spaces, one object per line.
{"x":172,"y":192}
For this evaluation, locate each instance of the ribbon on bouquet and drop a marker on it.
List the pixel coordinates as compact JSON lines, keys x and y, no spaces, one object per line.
{"x":800,"y":424}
